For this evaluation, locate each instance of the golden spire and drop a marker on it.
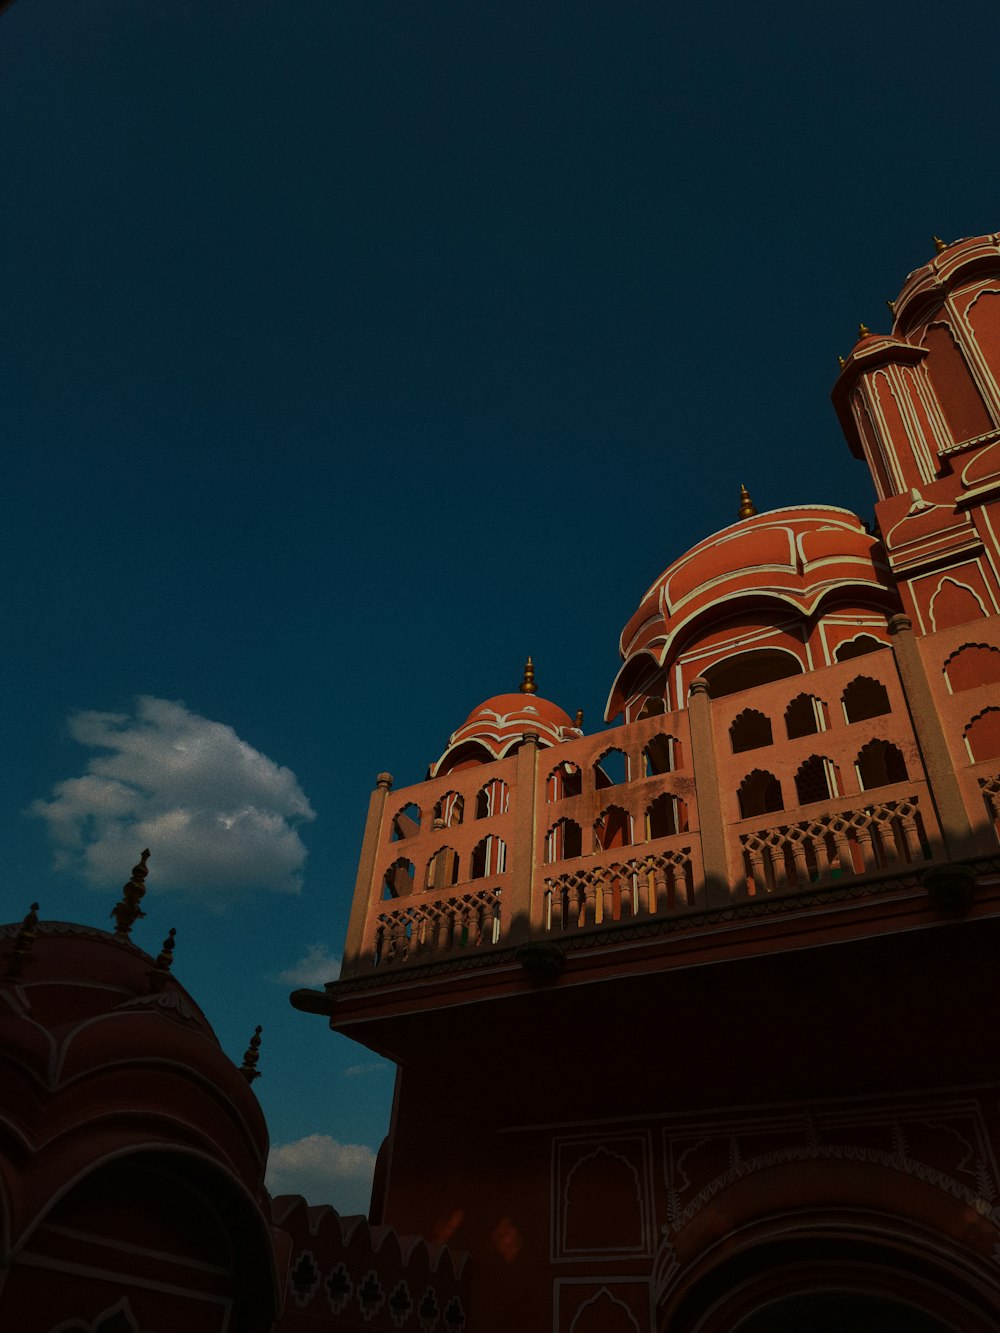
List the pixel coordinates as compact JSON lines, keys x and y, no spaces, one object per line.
{"x":128,"y":911}
{"x":158,"y":974}
{"x":939,"y":245}
{"x":864,"y":331}
{"x":528,"y":685}
{"x":843,"y":363}
{"x":892,"y":308}
{"x":21,"y":953}
{"x":747,"y":507}
{"x":578,"y":721}
{"x":251,"y":1055}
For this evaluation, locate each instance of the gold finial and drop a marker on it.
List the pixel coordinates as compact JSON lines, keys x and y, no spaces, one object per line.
{"x":864,"y":331}
{"x":251,"y":1055}
{"x":843,"y":363}
{"x":159,"y":973}
{"x":747,"y":507}
{"x":128,"y":911}
{"x":528,"y":685}
{"x":939,"y":245}
{"x":578,"y":721}
{"x":21,"y":953}
{"x":892,"y":308}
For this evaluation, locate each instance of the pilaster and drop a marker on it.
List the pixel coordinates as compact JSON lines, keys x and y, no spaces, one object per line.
{"x":367,"y":886}
{"x":524,"y":915}
{"x":711,"y":825}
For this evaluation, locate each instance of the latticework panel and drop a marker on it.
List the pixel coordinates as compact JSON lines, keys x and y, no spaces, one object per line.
{"x":639,"y":886}
{"x":466,"y":921}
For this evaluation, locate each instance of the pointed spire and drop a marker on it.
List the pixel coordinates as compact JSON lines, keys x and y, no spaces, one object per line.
{"x":128,"y":911}
{"x":747,"y":507}
{"x":842,"y":362}
{"x":158,"y":974}
{"x":21,"y":953}
{"x":939,"y":245}
{"x":251,"y":1055}
{"x":864,"y":331}
{"x":578,"y":721}
{"x":528,"y":685}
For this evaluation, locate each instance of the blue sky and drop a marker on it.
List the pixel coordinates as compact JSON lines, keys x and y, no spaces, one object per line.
{"x":355,"y":349}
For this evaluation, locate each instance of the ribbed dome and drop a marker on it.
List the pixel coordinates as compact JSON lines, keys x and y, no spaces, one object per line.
{"x":785,"y":560}
{"x":497,"y":725}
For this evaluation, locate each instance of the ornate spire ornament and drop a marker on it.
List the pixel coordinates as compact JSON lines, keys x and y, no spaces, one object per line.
{"x":864,"y":331}
{"x":842,"y":361}
{"x":251,"y":1055}
{"x":939,"y":245}
{"x":747,"y":507}
{"x":21,"y":953}
{"x":578,"y":720}
{"x":128,"y":911}
{"x":159,"y":973}
{"x":892,"y":308}
{"x":528,"y":685}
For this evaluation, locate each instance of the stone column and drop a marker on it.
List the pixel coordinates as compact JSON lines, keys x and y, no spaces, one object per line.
{"x":524,"y":916}
{"x":718,"y":883}
{"x":946,"y":792}
{"x":367,"y":886}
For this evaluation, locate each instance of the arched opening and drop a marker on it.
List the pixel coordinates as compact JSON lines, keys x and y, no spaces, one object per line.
{"x":493,"y":799}
{"x":448,"y":810}
{"x":398,"y":879}
{"x":859,"y":646}
{"x":563,"y":840}
{"x":955,"y":604}
{"x":746,"y":670}
{"x":840,"y":1312}
{"x":750,"y":730}
{"x":611,"y":769}
{"x":660,"y":754}
{"x":818,"y":779}
{"x":805,"y":716}
{"x":442,"y":869}
{"x":564,"y":780}
{"x":613,"y":829}
{"x":652,"y":708}
{"x":982,"y":735}
{"x":666,"y":816}
{"x":759,"y":794}
{"x":489,"y":857}
{"x":880,"y":764}
{"x":603,"y":1209}
{"x":864,"y":698}
{"x":972,"y":665}
{"x":406,"y":822}
{"x":957,"y":391}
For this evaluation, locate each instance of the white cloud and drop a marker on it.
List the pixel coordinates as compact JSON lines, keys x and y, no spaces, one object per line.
{"x":217,"y":814}
{"x":323,"y":1171}
{"x":314,"y":969}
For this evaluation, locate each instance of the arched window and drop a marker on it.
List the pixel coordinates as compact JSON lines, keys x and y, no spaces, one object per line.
{"x":564,"y":780}
{"x":745,"y":670}
{"x":982,"y":735}
{"x":661,"y":754}
{"x":759,"y":793}
{"x":448,"y":810}
{"x":750,"y":730}
{"x":563,"y":840}
{"x":611,"y":769}
{"x":493,"y":799}
{"x":489,"y":857}
{"x":859,"y":646}
{"x":971,"y":665}
{"x":805,"y":716}
{"x":613,"y":829}
{"x":442,"y":869}
{"x":955,"y":603}
{"x":398,"y":879}
{"x":406,"y":822}
{"x":880,"y":764}
{"x":818,"y":779}
{"x":864,"y":698}
{"x":666,"y":816}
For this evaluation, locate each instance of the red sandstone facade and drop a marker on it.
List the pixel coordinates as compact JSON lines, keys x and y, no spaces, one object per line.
{"x":693,"y":1016}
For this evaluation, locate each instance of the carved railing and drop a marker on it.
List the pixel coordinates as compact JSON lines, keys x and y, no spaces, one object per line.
{"x":416,"y":929}
{"x":617,"y":891}
{"x":833,"y":846}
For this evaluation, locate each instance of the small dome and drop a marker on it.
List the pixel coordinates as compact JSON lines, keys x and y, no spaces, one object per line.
{"x":495,"y":728}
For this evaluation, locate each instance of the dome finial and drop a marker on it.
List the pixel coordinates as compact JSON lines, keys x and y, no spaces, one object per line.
{"x":864,"y":331}
{"x":127,"y":912}
{"x":21,"y":953}
{"x":939,"y":245}
{"x":528,"y":685}
{"x":251,"y":1055}
{"x":161,"y":971}
{"x":747,"y":507}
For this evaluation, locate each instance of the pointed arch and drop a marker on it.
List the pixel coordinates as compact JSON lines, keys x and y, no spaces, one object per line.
{"x":750,"y":730}
{"x":398,"y":880}
{"x":982,"y":735}
{"x":448,"y":810}
{"x":806,"y":715}
{"x":864,"y":698}
{"x":563,"y":841}
{"x":759,"y":794}
{"x":859,"y":646}
{"x":971,"y":665}
{"x":442,"y":869}
{"x":405,"y":822}
{"x":564,"y":780}
{"x":665,"y":816}
{"x":611,"y":769}
{"x":955,"y":603}
{"x":493,"y":799}
{"x":880,"y":764}
{"x":489,"y":857}
{"x":661,"y":754}
{"x":818,"y":779}
{"x":613,"y":828}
